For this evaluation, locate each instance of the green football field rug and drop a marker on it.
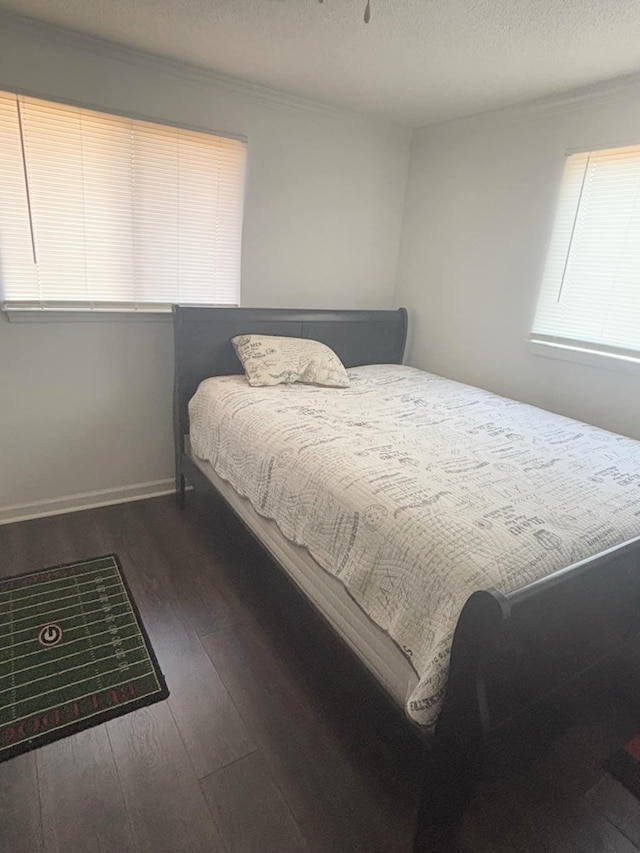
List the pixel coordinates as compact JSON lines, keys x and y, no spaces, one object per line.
{"x":73,"y":653}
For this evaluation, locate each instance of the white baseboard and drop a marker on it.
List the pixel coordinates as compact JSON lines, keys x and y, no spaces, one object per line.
{"x":86,"y":500}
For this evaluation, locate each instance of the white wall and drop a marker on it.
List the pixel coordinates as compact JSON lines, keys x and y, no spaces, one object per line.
{"x":86,"y":407}
{"x":480,"y":204}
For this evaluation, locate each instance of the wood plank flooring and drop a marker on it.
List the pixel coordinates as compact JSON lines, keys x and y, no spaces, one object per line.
{"x":273,"y":740}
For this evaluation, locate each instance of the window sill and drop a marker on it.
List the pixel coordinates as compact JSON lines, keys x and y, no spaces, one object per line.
{"x":48,"y":315}
{"x":584,"y":355}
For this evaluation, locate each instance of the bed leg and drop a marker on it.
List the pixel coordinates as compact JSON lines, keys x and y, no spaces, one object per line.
{"x":451,"y":773}
{"x":181,"y":485}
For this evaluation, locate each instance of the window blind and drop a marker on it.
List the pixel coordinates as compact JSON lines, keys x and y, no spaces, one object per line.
{"x":590,"y":292}
{"x":97,"y":210}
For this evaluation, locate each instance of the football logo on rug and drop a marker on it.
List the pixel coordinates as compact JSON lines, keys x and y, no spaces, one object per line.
{"x":50,"y":635}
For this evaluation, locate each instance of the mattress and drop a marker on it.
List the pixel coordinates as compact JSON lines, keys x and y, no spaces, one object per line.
{"x":414,"y":491}
{"x":375,"y":648}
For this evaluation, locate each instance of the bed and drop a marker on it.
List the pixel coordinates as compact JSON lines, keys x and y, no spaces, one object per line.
{"x":473,"y":552}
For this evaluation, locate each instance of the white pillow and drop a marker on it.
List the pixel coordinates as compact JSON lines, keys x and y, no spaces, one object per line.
{"x":271,"y":360}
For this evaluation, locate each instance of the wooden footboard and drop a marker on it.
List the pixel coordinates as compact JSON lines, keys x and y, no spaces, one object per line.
{"x":510,"y":652}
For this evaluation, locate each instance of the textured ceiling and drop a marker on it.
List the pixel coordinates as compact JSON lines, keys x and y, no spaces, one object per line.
{"x":417,"y":62}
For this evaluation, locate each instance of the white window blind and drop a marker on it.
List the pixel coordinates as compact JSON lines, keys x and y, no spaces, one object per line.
{"x":590,"y":293}
{"x":101,"y":211}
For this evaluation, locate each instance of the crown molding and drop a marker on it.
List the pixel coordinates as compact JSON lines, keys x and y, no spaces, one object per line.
{"x":606,"y":92}
{"x":263,"y":95}
{"x":579,"y":98}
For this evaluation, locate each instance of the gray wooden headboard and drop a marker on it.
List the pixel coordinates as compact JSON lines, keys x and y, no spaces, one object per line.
{"x":202,"y":339}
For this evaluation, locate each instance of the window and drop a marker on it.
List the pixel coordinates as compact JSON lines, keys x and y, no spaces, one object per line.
{"x":590,"y":295}
{"x":98,"y":211}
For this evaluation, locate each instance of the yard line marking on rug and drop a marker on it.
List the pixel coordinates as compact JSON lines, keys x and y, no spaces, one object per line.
{"x":112,"y":576}
{"x":108,"y":617}
{"x":66,"y":644}
{"x":60,"y":609}
{"x":73,"y":595}
{"x":125,"y":615}
{"x":64,"y":657}
{"x":75,"y":669}
{"x":110,"y":568}
{"x":78,"y":698}
{"x":71,"y":684}
{"x":112,"y":572}
{"x":47,"y":602}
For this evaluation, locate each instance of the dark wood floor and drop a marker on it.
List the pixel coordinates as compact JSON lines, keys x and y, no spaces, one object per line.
{"x":272,"y":738}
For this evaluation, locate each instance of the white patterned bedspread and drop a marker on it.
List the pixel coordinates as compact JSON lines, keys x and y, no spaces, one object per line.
{"x":416,"y":491}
